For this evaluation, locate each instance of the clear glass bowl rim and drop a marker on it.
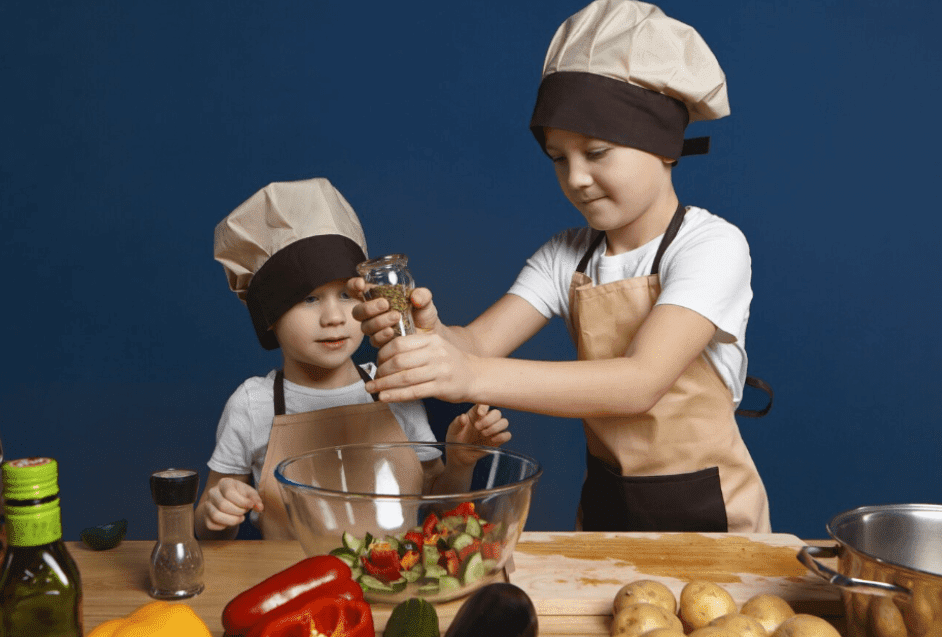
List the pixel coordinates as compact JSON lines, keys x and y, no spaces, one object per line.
{"x":525,"y":482}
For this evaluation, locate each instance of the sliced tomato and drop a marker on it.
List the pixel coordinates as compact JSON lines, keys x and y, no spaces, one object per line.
{"x":469,"y":549}
{"x":465,"y":509}
{"x":430,"y":525}
{"x":415,"y":536}
{"x":490,"y":550}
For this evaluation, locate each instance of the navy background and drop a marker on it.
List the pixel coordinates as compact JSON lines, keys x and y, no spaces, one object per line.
{"x":130,"y":129}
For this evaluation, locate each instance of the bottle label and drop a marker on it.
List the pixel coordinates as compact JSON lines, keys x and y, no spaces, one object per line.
{"x":34,"y":525}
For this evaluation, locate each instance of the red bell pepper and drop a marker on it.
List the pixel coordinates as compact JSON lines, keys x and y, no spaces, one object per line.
{"x":327,"y":616}
{"x":382,"y":562}
{"x":465,"y":510}
{"x":490,"y":550}
{"x":449,"y":559}
{"x":469,"y":549}
{"x":417,"y":538}
{"x":313,"y":577}
{"x":428,"y":528}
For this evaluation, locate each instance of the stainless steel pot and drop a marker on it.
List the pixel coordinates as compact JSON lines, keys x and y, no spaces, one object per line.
{"x":889,"y":569}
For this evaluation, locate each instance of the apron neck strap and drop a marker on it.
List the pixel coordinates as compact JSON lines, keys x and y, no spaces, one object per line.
{"x":669,"y":235}
{"x":280,"y":392}
{"x":672,"y":228}
{"x":279,"y":389}
{"x":366,"y":378}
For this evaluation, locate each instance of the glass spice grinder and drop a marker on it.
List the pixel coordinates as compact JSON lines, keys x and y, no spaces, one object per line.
{"x":176,"y":563}
{"x":389,"y":277}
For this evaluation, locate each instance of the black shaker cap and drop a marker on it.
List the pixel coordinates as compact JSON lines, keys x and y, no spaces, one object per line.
{"x":174,"y":487}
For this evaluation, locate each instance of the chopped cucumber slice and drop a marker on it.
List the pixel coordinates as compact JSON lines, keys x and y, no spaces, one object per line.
{"x":414,"y":573}
{"x":452,"y":521}
{"x":473,"y":527}
{"x":393,"y":542}
{"x":373,"y":584}
{"x":461,"y":540}
{"x":448,"y":583}
{"x":352,"y":543}
{"x":349,"y":557}
{"x":435,"y":571}
{"x":355,"y":573}
{"x":473,"y":568}
{"x":430,"y":555}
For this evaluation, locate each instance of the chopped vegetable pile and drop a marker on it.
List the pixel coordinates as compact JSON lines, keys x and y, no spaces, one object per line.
{"x":442,"y":555}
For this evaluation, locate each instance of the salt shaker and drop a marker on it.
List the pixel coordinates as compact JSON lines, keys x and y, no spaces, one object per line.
{"x":389,"y":277}
{"x":176,"y":563}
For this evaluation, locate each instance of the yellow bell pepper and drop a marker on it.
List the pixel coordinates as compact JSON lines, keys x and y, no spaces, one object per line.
{"x":156,"y":619}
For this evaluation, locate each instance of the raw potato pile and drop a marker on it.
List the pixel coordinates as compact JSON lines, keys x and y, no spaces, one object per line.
{"x":649,"y":608}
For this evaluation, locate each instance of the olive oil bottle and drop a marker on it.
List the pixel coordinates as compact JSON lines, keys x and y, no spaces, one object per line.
{"x":40,"y":588}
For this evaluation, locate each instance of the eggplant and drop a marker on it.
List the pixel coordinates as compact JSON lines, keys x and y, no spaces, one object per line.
{"x":496,"y":610}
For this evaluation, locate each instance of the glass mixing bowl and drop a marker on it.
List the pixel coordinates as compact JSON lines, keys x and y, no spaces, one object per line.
{"x":369,"y":505}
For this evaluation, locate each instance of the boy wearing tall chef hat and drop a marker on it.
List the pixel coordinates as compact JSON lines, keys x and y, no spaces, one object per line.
{"x":655,"y":293}
{"x":288,"y":252}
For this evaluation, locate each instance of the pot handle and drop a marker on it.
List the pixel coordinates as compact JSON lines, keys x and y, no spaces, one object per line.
{"x":849,"y":584}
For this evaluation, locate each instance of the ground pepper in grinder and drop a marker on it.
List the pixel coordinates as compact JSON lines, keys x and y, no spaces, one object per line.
{"x":176,"y":563}
{"x":389,"y":277}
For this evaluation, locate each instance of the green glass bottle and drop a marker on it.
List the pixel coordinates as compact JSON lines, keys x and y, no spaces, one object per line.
{"x":40,"y":588}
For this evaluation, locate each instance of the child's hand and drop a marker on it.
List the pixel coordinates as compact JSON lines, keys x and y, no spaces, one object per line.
{"x":377,"y":321}
{"x":479,"y":426}
{"x":228,"y":502}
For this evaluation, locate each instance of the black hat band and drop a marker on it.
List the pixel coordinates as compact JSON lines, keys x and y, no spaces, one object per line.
{"x":292,"y":273}
{"x":616,"y":111}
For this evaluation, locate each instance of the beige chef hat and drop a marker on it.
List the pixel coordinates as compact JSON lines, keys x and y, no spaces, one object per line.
{"x":284,"y":241}
{"x":624,"y":72}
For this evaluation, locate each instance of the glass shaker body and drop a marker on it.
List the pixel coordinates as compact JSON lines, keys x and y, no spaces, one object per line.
{"x":176,"y":562}
{"x":389,"y":277}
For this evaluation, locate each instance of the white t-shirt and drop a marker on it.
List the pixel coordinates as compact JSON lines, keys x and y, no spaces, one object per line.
{"x":706,"y":268}
{"x":245,"y":425}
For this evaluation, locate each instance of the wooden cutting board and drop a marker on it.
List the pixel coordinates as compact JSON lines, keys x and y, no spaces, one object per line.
{"x":580,"y":573}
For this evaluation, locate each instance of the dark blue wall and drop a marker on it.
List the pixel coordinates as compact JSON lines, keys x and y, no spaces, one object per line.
{"x":130,"y":129}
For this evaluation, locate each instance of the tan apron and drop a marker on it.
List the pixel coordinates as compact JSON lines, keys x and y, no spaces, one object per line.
{"x":682,"y":466}
{"x":295,"y":434}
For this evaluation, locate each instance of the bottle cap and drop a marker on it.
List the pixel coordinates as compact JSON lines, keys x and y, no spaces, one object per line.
{"x":30,"y":479}
{"x":174,"y":487}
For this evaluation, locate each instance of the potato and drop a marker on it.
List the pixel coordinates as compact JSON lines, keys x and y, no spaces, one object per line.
{"x":886,"y":620}
{"x":701,"y":602}
{"x":802,"y":625}
{"x":665,"y":632}
{"x":768,"y":610}
{"x":712,"y":631}
{"x":741,"y":625}
{"x":645,"y":591}
{"x":636,"y":619}
{"x":918,"y":613}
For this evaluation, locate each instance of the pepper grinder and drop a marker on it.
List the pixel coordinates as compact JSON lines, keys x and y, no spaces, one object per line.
{"x":176,"y":563}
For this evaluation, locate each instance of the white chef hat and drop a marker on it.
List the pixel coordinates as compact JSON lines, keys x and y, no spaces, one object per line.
{"x":284,"y":241}
{"x":623,"y":71}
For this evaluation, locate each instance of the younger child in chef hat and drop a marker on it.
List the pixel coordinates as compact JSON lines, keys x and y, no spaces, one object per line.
{"x":288,"y":251}
{"x":655,"y":294}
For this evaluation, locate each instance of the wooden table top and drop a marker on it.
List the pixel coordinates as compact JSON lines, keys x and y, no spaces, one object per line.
{"x":115,"y":582}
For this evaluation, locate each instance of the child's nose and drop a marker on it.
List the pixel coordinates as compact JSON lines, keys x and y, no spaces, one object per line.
{"x":578,"y":175}
{"x":333,"y":313}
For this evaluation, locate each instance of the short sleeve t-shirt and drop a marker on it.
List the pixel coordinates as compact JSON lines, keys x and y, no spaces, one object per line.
{"x":706,"y":268}
{"x":245,"y":424}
